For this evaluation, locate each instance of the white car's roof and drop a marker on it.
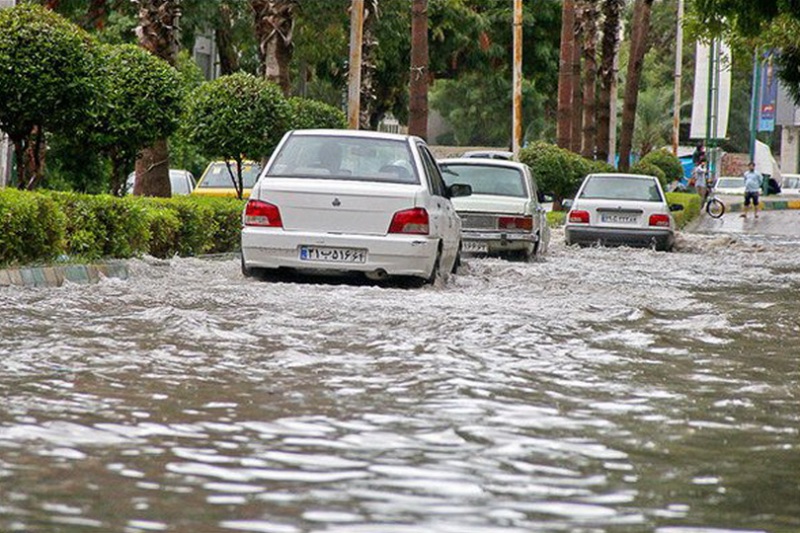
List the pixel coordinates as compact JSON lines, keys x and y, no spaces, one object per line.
{"x":482,"y":162}
{"x":623,"y":175}
{"x":367,"y":134}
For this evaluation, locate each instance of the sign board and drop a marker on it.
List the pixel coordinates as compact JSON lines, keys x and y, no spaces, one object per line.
{"x":717,"y":71}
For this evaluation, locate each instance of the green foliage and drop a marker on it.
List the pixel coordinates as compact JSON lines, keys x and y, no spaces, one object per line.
{"x":669,"y":164}
{"x":32,"y":228}
{"x":237,"y":117}
{"x":226,"y":214}
{"x":691,"y":207}
{"x":45,"y":71}
{"x":310,"y":114}
{"x":650,"y":169}
{"x":198,"y":226}
{"x":556,"y":170}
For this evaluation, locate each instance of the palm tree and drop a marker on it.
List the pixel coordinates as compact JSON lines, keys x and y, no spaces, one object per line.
{"x":611,"y":10}
{"x":157,"y":33}
{"x":565,"y":89}
{"x":589,"y":15}
{"x":274,"y":22}
{"x":640,"y":29}
{"x":369,"y":48}
{"x":418,"y":104}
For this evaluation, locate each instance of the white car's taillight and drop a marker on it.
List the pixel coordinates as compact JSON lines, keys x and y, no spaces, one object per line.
{"x":410,"y":221}
{"x":524,"y":223}
{"x":659,"y":219}
{"x":579,"y":217}
{"x":264,"y":214}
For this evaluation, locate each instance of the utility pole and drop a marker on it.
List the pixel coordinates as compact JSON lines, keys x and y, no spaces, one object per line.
{"x":354,"y":79}
{"x":755,"y":104}
{"x":676,"y":112}
{"x":516,"y":133}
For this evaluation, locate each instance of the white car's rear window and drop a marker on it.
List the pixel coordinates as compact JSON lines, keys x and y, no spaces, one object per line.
{"x":491,"y":180}
{"x":730,"y":183}
{"x":621,"y":188}
{"x":350,"y":158}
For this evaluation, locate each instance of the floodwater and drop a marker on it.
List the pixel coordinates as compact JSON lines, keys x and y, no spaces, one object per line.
{"x":598,"y":390}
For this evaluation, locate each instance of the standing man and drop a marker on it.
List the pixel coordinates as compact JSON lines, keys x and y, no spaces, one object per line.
{"x":753,"y":180}
{"x":700,"y":179}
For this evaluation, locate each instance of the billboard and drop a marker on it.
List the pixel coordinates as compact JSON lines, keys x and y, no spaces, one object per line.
{"x":712,"y":84}
{"x":768,"y":94}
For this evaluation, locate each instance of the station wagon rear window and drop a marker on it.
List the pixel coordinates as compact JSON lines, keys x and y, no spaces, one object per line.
{"x":348,"y":158}
{"x":621,"y":188}
{"x":491,"y":180}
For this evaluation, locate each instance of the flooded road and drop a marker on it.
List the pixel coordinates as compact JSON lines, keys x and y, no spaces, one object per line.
{"x":599,"y":390}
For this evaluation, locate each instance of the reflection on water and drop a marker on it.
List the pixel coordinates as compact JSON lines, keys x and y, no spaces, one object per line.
{"x":599,"y":390}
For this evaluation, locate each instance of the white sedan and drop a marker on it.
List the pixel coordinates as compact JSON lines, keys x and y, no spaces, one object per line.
{"x":352,"y":201}
{"x":621,"y":209}
{"x":503,"y":215}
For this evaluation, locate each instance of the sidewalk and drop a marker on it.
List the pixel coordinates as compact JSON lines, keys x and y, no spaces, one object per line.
{"x":774,"y":202}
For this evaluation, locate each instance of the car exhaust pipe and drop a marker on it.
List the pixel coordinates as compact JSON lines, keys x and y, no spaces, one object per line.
{"x":377,"y":275}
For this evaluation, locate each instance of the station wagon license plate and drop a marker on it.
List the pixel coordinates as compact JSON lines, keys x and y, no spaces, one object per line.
{"x":333,"y":255}
{"x":475,"y":247}
{"x":619,"y":218}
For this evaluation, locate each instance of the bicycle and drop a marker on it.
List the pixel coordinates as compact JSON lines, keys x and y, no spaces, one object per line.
{"x":713,"y":205}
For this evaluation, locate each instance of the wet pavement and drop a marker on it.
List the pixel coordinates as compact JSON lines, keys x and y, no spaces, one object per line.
{"x":596,"y":390}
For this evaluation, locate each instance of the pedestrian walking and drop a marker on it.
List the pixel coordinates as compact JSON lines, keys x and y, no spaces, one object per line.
{"x":700,"y":180}
{"x":753,"y":180}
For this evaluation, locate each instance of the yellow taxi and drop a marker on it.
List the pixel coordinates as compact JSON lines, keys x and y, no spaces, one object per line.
{"x":217,"y":181}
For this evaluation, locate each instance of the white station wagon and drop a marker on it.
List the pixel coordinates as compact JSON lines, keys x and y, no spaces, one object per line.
{"x":503,"y":215}
{"x":621,"y":209}
{"x":352,"y":201}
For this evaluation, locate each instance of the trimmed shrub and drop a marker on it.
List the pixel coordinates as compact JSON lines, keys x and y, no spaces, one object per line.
{"x":227,"y":217}
{"x":310,"y":114}
{"x":691,"y":207}
{"x":649,"y":169}
{"x":32,"y":228}
{"x":195,"y":235}
{"x":165,"y":228}
{"x":667,"y":162}
{"x":556,"y":170}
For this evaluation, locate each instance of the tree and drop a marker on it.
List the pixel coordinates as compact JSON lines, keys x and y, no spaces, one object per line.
{"x":236,"y":118}
{"x":640,"y":27}
{"x":611,"y":10}
{"x":418,"y":108}
{"x":274,"y":23}
{"x":46,"y":78}
{"x":158,"y":22}
{"x":589,"y":21}
{"x":309,"y":114}
{"x":565,"y":78}
{"x":139,"y":102}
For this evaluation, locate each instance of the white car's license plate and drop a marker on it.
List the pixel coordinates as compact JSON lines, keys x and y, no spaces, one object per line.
{"x":475,"y":247}
{"x":333,"y":255}
{"x":619,"y":219}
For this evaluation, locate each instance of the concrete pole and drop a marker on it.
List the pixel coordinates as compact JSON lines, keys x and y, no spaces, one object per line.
{"x":354,"y":81}
{"x":676,"y":112}
{"x":516,"y":136}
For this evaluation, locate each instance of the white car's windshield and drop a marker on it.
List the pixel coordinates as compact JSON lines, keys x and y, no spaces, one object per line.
{"x":344,"y":157}
{"x":791,"y":183}
{"x":621,"y":188}
{"x":491,"y":180}
{"x":217,"y":175}
{"x":730,"y":183}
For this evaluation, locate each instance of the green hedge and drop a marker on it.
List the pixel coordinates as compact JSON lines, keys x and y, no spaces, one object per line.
{"x":691,"y":207}
{"x":41,"y":227}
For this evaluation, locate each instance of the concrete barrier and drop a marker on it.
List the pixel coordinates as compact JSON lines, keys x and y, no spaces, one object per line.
{"x":55,"y":276}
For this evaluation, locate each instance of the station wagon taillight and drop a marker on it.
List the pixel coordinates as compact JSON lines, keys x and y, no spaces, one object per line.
{"x":258,"y":213}
{"x":410,"y":221}
{"x":579,"y":217}
{"x":659,"y":219}
{"x":524,"y":223}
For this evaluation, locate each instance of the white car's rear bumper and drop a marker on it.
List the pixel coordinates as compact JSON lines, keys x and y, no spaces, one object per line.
{"x":396,"y":255}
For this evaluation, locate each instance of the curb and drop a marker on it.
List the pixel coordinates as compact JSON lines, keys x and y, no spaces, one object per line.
{"x":766,"y":205}
{"x":55,"y":276}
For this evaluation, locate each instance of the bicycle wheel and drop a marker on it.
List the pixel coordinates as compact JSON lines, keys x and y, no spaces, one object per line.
{"x":715,"y":208}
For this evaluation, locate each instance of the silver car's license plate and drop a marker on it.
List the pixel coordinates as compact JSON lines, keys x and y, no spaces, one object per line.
{"x":620,"y":219}
{"x":333,"y":255}
{"x":475,"y":247}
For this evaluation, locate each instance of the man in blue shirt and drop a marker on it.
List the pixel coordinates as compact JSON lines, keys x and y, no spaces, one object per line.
{"x":753,"y":180}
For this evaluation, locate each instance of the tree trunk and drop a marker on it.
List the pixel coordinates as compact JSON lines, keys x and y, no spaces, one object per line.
{"x":640,"y":26}
{"x":369,"y":50}
{"x":96,"y":15}
{"x":589,"y":21}
{"x":418,"y":105}
{"x":158,"y":34}
{"x":228,"y":58}
{"x":274,"y":22}
{"x":610,"y":45}
{"x":564,"y":116}
{"x":576,"y":108}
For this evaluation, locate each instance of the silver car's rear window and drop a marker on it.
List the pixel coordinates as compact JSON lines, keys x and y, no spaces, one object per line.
{"x":349,"y":158}
{"x":491,"y":180}
{"x":730,"y":183}
{"x":621,"y":188}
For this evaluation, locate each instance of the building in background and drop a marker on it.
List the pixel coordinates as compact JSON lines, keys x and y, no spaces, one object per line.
{"x":788,"y":118}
